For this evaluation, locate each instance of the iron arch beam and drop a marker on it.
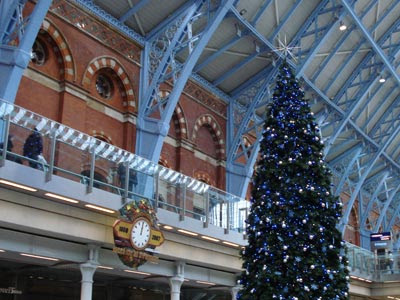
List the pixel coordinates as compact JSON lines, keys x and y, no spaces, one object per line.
{"x":133,"y":10}
{"x":151,"y":130}
{"x":393,"y":219}
{"x":385,"y":208}
{"x":14,"y":60}
{"x":356,"y":103}
{"x":344,"y":176}
{"x":238,"y":174}
{"x":369,"y":38}
{"x":360,"y":183}
{"x":373,"y":198}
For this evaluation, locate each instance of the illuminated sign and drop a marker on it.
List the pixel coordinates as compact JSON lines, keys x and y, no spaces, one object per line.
{"x":382,"y":236}
{"x":10,"y":290}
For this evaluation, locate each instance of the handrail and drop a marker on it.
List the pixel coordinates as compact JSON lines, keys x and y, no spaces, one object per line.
{"x":69,"y":151}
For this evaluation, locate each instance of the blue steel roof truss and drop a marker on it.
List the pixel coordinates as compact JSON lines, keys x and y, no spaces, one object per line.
{"x":360,"y":91}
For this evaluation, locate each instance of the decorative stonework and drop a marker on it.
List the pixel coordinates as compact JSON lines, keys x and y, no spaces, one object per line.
{"x":216,"y":132}
{"x":62,"y":47}
{"x":180,"y":122}
{"x":90,"y":25}
{"x":109,"y":62}
{"x":210,"y":101}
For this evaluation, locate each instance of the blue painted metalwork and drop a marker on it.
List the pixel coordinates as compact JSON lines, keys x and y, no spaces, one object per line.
{"x":133,"y":10}
{"x":112,"y":21}
{"x":238,"y":175}
{"x":366,"y":171}
{"x":209,"y":87}
{"x":167,"y":22}
{"x":155,"y":112}
{"x":355,"y":50}
{"x":235,"y":68}
{"x":390,"y":224}
{"x":365,"y":88}
{"x":374,"y":45}
{"x":349,"y":167}
{"x":349,"y":114}
{"x":221,"y":50}
{"x":386,"y":114}
{"x":373,"y":199}
{"x":288,"y":15}
{"x":385,"y":208}
{"x":241,"y":116}
{"x":15,"y":57}
{"x":261,"y":10}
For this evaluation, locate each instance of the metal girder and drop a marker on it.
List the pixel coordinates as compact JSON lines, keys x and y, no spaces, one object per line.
{"x":110,"y":20}
{"x":370,"y":97}
{"x":360,"y":183}
{"x":238,"y":66}
{"x":237,"y":174}
{"x":385,"y":208}
{"x":349,"y":167}
{"x":369,"y":38}
{"x":221,"y":50}
{"x":133,"y":10}
{"x":373,"y":198}
{"x":242,"y":118}
{"x":260,"y":11}
{"x":288,"y":15}
{"x":23,"y":31}
{"x":365,"y":88}
{"x":160,"y":64}
{"x":393,"y":219}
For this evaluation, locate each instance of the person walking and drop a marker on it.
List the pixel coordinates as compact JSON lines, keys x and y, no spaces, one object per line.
{"x":33,"y":147}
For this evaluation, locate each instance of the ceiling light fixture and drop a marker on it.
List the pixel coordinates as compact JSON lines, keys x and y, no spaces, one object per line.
{"x":168,"y":227}
{"x":2,"y":250}
{"x":61,"y":198}
{"x":209,"y":238}
{"x":20,"y":186}
{"x":106,"y":268}
{"x":342,"y":26}
{"x":100,"y":208}
{"x":230,"y":244}
{"x":137,"y":272}
{"x":382,"y":80}
{"x":187,"y":232}
{"x":40,"y":257}
{"x":205,"y":282}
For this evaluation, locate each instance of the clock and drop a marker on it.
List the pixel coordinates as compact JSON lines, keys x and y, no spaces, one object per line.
{"x":140,"y":233}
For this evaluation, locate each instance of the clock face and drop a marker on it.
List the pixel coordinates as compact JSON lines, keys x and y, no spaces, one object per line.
{"x":140,"y":234}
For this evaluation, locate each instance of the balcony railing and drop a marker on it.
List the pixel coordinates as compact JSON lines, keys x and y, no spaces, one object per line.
{"x":77,"y":156}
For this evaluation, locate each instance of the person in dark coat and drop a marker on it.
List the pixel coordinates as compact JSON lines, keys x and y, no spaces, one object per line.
{"x":132,"y":181}
{"x":10,"y":146}
{"x":33,"y":147}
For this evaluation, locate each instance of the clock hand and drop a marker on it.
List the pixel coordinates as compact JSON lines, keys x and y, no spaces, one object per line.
{"x":141,"y":229}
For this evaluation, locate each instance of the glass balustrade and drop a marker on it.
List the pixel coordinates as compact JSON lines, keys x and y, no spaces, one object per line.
{"x":76,"y":156}
{"x":71,"y":154}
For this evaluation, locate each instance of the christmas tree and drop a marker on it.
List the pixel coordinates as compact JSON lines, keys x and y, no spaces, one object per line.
{"x":295,"y":251}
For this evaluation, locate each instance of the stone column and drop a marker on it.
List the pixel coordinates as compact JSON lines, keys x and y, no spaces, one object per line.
{"x":234,"y":291}
{"x":87,"y":270}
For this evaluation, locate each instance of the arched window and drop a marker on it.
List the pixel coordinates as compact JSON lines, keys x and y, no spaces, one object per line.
{"x":104,"y":86}
{"x":39,"y":53}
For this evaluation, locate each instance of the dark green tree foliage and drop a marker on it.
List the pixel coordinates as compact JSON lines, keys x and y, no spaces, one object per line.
{"x":294,"y":251}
